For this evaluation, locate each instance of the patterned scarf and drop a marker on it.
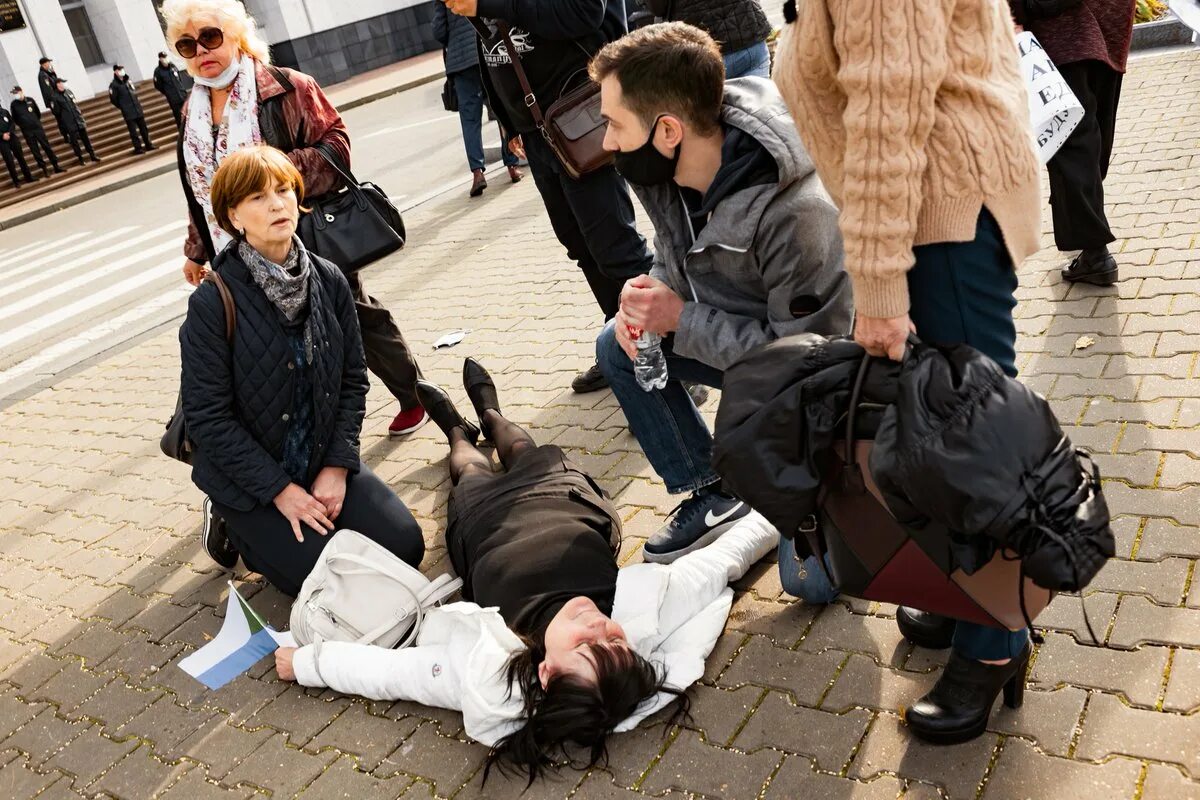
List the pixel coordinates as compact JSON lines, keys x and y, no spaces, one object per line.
{"x":285,"y":285}
{"x":239,"y":128}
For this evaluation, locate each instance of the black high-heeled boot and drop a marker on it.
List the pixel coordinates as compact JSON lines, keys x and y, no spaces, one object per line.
{"x":481,"y":390}
{"x":442,"y":411}
{"x":958,"y":706}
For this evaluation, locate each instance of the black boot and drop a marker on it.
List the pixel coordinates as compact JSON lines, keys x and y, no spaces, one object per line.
{"x":924,"y":629}
{"x":1095,"y":266}
{"x":482,"y":391}
{"x":215,"y":537}
{"x":957,"y":708}
{"x":442,"y":411}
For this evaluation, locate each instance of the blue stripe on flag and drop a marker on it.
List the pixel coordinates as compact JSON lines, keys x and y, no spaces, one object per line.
{"x":258,"y":646}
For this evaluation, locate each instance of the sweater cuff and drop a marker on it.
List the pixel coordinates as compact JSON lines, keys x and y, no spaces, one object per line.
{"x":304,"y":664}
{"x":881,"y":298}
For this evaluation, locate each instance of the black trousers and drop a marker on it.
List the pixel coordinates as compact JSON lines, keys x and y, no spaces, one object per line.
{"x":39,"y":145}
{"x":137,"y":127}
{"x":177,"y":113}
{"x":593,"y":218}
{"x":388,"y":355}
{"x":14,"y":159}
{"x":264,"y":536}
{"x":1078,"y":170}
{"x":78,"y":138}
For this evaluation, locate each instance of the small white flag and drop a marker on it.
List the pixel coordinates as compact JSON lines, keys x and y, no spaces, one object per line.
{"x":244,"y":639}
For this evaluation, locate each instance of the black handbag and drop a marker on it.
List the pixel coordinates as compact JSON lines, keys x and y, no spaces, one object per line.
{"x":174,"y":441}
{"x":449,"y":95}
{"x":353,"y":226}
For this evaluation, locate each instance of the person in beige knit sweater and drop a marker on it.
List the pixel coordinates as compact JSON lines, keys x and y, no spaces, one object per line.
{"x":916,"y":117}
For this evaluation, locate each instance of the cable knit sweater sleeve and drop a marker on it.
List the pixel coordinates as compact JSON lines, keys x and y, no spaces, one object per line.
{"x":893,"y":58}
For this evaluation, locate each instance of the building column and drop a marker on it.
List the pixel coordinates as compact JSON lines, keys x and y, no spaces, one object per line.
{"x":20,"y":51}
{"x":129,"y":33}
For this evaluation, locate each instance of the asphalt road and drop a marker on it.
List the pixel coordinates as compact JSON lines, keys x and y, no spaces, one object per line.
{"x":88,"y":278}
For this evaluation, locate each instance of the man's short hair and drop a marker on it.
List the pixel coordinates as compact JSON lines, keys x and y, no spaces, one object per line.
{"x":669,"y":68}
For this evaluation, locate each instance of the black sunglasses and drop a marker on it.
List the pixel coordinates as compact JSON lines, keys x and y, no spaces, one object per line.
{"x":210,"y":38}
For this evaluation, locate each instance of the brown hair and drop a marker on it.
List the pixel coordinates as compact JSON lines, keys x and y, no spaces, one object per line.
{"x":247,"y":171}
{"x":669,"y":68}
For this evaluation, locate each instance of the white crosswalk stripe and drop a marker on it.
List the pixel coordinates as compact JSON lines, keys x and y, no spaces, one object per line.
{"x":66,"y":299}
{"x":24,"y":266}
{"x":36,"y":248}
{"x":27,"y":300}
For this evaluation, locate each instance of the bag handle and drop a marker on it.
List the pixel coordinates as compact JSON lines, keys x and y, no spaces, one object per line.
{"x":380,"y":569}
{"x":345,"y":173}
{"x":227,"y":301}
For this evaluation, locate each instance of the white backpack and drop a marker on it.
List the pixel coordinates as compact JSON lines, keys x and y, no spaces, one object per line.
{"x":360,"y":592}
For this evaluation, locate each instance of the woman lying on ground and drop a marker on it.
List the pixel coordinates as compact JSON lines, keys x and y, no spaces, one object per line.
{"x":559,"y":648}
{"x":275,"y":415}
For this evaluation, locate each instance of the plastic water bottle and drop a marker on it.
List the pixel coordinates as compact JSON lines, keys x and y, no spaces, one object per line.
{"x":650,"y":366}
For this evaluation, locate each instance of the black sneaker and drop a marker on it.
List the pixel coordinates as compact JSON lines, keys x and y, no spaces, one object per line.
{"x":698,"y":521}
{"x":590,"y":380}
{"x":216,"y":538}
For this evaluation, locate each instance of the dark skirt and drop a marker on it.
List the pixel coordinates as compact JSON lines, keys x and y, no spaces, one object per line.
{"x":543,"y":492}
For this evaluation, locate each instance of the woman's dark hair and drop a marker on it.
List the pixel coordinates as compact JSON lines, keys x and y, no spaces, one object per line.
{"x":571,"y":718}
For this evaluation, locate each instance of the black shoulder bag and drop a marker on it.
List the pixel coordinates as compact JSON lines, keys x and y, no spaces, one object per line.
{"x":175,"y":442}
{"x":353,"y":226}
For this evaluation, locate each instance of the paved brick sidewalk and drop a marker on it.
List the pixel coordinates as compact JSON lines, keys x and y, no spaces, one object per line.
{"x":103,"y":587}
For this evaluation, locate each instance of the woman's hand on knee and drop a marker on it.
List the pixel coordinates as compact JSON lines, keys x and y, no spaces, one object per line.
{"x":283,"y":663}
{"x":299,"y":506}
{"x":330,"y":490}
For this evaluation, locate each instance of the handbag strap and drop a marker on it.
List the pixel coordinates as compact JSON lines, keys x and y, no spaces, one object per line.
{"x":344,"y":171}
{"x":514,"y":58}
{"x":227,"y":301}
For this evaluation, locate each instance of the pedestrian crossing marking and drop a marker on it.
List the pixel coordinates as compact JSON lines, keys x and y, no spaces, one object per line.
{"x":108,"y":268}
{"x":50,"y":258}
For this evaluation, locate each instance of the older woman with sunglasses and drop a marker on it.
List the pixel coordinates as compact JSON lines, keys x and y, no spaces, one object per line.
{"x":240,"y":100}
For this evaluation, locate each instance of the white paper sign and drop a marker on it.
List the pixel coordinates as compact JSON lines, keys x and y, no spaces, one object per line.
{"x":1054,"y":110}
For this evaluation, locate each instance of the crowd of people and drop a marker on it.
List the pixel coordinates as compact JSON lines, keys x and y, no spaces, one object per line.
{"x":859,"y":189}
{"x":25,"y":115}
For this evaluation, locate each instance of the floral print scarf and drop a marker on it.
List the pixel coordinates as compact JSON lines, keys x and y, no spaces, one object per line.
{"x":203,"y":153}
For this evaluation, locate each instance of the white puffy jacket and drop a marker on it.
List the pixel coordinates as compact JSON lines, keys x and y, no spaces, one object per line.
{"x":672,"y":615}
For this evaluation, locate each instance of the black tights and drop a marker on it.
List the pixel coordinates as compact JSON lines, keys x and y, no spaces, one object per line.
{"x":510,"y":438}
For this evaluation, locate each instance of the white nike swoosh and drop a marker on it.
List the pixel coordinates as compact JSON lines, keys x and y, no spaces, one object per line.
{"x":713,"y":521}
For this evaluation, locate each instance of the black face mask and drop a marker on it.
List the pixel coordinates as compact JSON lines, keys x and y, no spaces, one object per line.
{"x":646,"y":166}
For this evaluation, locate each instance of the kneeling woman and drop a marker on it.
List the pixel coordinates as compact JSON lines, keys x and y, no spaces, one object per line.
{"x":275,"y":416}
{"x":559,"y":648}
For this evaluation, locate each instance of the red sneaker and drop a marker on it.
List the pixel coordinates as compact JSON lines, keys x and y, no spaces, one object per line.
{"x":408,"y":421}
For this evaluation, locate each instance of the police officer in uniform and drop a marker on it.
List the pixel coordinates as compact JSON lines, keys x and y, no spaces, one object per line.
{"x":70,"y":120}
{"x":28,"y":115}
{"x":122,"y":93}
{"x":10,"y":149}
{"x":168,"y":82}
{"x":46,"y":78}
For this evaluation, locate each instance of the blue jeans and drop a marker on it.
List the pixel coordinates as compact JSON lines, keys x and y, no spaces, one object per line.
{"x":804,"y":578}
{"x":666,"y":423}
{"x":959,"y":292}
{"x":469,"y":88}
{"x":753,"y":60}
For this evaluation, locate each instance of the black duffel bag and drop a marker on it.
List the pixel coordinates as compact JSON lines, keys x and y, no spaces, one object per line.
{"x":354,"y":226}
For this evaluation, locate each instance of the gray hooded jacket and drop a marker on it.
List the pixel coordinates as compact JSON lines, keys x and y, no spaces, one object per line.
{"x":768,"y":263}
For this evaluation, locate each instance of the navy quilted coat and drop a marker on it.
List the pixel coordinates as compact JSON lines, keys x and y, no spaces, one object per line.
{"x":458,"y":37}
{"x":238,"y":401}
